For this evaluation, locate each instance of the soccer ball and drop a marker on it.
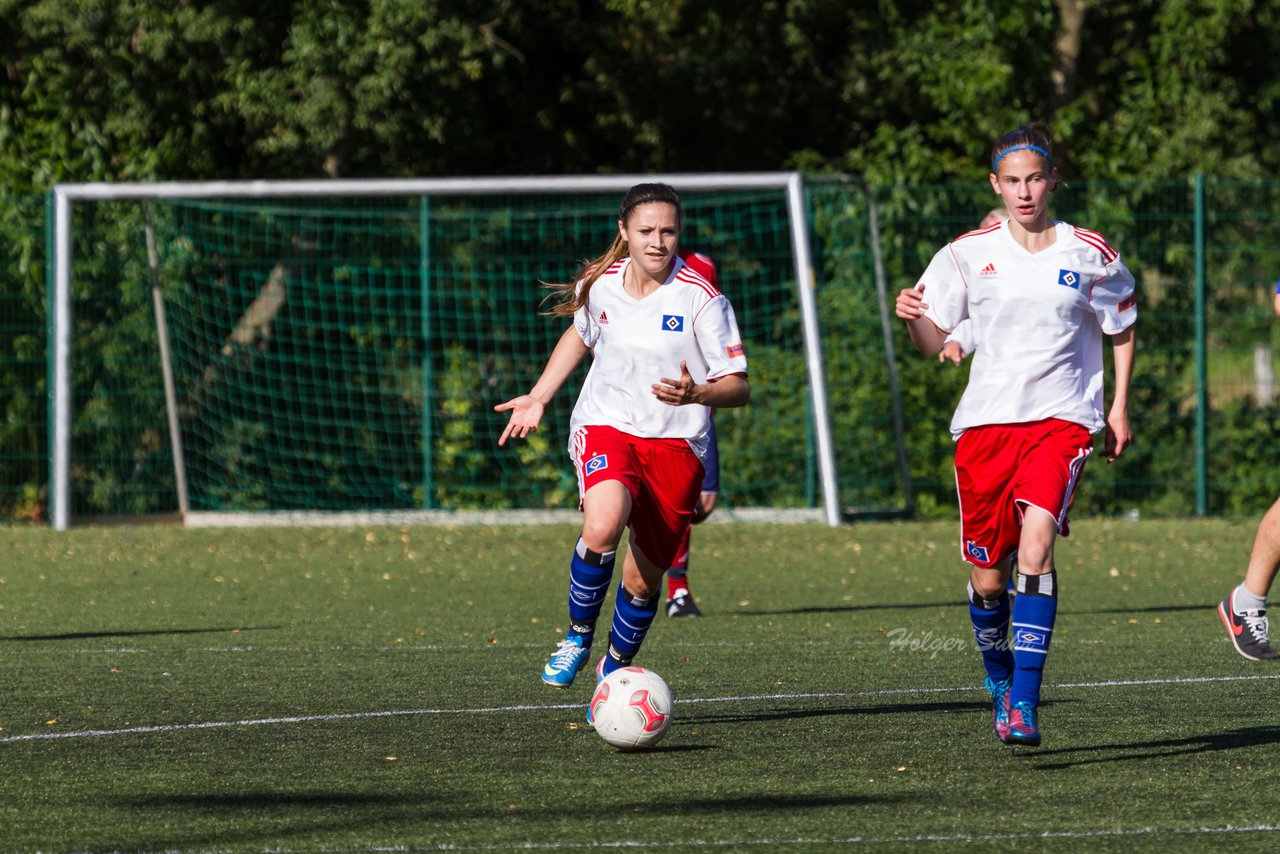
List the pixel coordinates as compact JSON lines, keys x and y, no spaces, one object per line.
{"x":631,"y":708}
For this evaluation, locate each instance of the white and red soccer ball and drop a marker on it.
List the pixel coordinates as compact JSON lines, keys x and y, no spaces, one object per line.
{"x":631,"y":708}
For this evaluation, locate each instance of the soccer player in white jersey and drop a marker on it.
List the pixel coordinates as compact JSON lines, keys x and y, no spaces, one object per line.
{"x":666,"y":348}
{"x":1244,"y":610}
{"x":1040,"y":296}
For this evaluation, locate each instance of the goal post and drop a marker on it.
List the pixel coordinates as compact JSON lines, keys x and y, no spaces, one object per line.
{"x":319,"y":215}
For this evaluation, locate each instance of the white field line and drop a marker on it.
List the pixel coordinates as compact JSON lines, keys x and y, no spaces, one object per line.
{"x":688,"y":844}
{"x":846,"y":840}
{"x":746,"y":698}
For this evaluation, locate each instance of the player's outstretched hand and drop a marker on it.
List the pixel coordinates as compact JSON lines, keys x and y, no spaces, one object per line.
{"x":910,"y":304}
{"x":1119,"y":435}
{"x":677,"y":392}
{"x":526,"y":414}
{"x":951,"y":352}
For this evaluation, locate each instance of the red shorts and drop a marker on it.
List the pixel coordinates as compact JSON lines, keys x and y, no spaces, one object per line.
{"x":1002,"y":469}
{"x":664,"y":477}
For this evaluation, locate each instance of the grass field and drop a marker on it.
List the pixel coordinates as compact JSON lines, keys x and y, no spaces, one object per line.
{"x":373,"y":690}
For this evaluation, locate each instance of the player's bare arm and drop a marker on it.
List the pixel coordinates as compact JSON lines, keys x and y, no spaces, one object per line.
{"x":526,"y":410}
{"x":1119,"y":433}
{"x":723,"y":393}
{"x":910,"y":306}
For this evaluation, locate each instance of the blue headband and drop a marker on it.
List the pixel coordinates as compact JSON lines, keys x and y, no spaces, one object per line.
{"x":1025,"y":146}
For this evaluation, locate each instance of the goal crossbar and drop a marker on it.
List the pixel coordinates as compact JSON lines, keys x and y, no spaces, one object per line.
{"x":65,"y":195}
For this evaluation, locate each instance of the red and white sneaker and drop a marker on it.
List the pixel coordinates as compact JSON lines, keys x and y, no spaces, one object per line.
{"x":1247,"y":631}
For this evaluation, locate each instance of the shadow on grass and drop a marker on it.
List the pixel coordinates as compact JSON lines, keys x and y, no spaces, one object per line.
{"x":676,"y":748}
{"x":258,"y":818}
{"x":835,"y":711}
{"x":762,"y":803}
{"x":1235,"y":739}
{"x":1153,"y":609}
{"x":271,"y":800}
{"x":139,"y":633}
{"x":847,"y":609}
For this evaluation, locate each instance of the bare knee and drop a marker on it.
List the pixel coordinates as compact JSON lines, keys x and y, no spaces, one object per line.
{"x":601,"y":535}
{"x":988,"y":583}
{"x":1035,"y":559}
{"x":640,"y":576}
{"x":1035,"y":546}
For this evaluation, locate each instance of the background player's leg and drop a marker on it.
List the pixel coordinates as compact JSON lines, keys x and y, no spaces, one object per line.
{"x":679,"y":598}
{"x":1244,"y":610}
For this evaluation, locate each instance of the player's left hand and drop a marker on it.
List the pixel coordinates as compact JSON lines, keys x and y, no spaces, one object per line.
{"x":951,"y":352}
{"x":1119,"y":435}
{"x":677,"y":392}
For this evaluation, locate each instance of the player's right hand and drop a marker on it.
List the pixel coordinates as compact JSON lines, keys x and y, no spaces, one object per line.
{"x":526,"y":414}
{"x":910,"y":304}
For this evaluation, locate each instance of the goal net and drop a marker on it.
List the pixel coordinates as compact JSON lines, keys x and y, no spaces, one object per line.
{"x":297,"y":352}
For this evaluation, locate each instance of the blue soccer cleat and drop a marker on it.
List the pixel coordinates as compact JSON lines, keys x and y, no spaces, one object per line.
{"x":570,"y":657}
{"x":999,"y":691}
{"x":1023,"y":728}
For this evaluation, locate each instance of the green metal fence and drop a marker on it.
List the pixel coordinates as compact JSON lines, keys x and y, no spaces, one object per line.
{"x":1206,"y":253}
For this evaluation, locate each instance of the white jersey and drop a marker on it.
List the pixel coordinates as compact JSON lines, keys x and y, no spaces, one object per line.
{"x":636,"y":343}
{"x":1036,"y":322}
{"x":963,"y":335}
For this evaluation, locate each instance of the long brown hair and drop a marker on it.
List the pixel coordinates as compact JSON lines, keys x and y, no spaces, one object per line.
{"x":570,"y":296}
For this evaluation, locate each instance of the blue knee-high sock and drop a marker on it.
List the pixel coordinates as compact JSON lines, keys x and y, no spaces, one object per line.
{"x":1034,"y":610}
{"x":632,"y":616}
{"x":990,"y":618}
{"x":589,"y":576}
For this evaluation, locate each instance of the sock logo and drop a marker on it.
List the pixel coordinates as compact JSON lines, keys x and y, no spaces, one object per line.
{"x":1030,"y":639}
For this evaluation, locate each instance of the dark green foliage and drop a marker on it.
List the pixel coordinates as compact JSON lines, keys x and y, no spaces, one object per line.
{"x":900,"y":93}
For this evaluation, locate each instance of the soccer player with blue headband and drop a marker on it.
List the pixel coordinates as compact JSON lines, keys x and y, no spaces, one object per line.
{"x":1039,"y":296}
{"x":1026,"y":146}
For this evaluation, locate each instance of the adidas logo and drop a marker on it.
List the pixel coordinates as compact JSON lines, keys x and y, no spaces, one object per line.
{"x":604,"y":318}
{"x":989,"y":270}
